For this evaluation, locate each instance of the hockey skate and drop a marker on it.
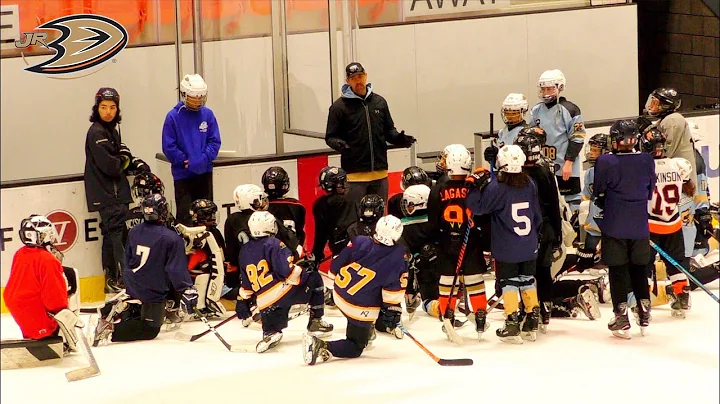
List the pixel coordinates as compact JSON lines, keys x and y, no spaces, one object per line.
{"x":679,"y":304}
{"x":620,"y":325}
{"x":545,"y":313}
{"x":511,"y":332}
{"x":449,"y":330}
{"x":412,"y":302}
{"x":530,"y":325}
{"x":313,"y":349}
{"x":587,"y":301}
{"x":319,"y":328}
{"x":174,"y":316}
{"x":643,"y":319}
{"x":108,"y":316}
{"x":479,"y":319}
{"x":269,"y":341}
{"x":601,"y":289}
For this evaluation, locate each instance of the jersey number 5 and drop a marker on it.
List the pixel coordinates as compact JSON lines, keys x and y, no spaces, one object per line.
{"x":344,"y":277}
{"x":258,"y":275}
{"x":521,"y":219}
{"x":144,"y":253}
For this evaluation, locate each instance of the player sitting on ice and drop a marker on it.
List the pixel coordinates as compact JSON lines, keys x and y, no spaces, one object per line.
{"x":156,"y":273}
{"x":289,"y":211}
{"x":268,"y":271}
{"x":369,"y":273}
{"x":370,"y":209}
{"x":412,"y":175}
{"x":37,"y":297}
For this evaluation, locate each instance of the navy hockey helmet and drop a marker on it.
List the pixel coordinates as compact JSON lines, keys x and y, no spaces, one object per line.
{"x":371,"y":208}
{"x":276,"y":181}
{"x":653,"y":142}
{"x":663,"y":101}
{"x":624,"y":133}
{"x":203,"y":212}
{"x":146,"y":184}
{"x":333,"y":179}
{"x":414,"y":175}
{"x":530,"y":145}
{"x":597,"y":146}
{"x":155,"y":208}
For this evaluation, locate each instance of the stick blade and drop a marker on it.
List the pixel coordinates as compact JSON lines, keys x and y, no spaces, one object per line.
{"x":83,"y":373}
{"x":455,"y":362}
{"x":184,"y":337}
{"x":239,"y":349}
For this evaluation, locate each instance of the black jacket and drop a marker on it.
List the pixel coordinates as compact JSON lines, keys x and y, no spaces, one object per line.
{"x":366,"y":126}
{"x":333,"y":215}
{"x":105,"y":181}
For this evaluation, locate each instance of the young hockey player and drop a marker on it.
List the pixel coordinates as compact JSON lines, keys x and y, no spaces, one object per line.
{"x":449,"y":217}
{"x":333,"y":213}
{"x":37,"y":291}
{"x":563,"y":123}
{"x":624,"y":182}
{"x":369,"y":273}
{"x":412,"y":175}
{"x":440,"y":174}
{"x":267,"y":272}
{"x":513,"y":111}
{"x":514,"y":207}
{"x":156,"y":274}
{"x":587,"y":254}
{"x":289,"y":211}
{"x":664,"y":216}
{"x":370,"y":209}
{"x":144,"y":185}
{"x":550,"y":232}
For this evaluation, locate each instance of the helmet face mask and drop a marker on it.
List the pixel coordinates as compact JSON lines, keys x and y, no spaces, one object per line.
{"x":597,"y":146}
{"x":550,"y":84}
{"x":204,"y":213}
{"x":276,"y":182}
{"x":662,"y":101}
{"x":388,"y":230}
{"x":333,"y":180}
{"x":193,"y":91}
{"x":37,"y":231}
{"x":371,"y":208}
{"x":514,"y":109}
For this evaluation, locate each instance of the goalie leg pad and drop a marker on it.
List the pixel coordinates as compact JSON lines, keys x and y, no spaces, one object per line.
{"x":28,"y":353}
{"x":68,"y":320}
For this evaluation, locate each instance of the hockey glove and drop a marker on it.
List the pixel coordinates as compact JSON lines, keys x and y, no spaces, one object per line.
{"x":137,"y":166}
{"x":600,"y":201}
{"x":389,"y":319}
{"x":703,"y":221}
{"x":490,"y":154}
{"x":586,"y":258}
{"x":337,"y":144}
{"x":308,"y":264}
{"x":479,"y":179}
{"x":189,"y":299}
{"x":67,"y":321}
{"x":556,"y":250}
{"x":242,"y":309}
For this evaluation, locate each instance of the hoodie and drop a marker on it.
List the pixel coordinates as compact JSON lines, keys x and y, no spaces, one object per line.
{"x":193,"y":136}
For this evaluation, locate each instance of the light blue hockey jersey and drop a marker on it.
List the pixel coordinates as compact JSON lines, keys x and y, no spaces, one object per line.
{"x":594,"y":211}
{"x":689,"y":231}
{"x":563,"y":124}
{"x":507,"y":137}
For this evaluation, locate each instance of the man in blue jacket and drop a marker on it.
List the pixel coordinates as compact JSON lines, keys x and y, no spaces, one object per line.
{"x":191,"y":141}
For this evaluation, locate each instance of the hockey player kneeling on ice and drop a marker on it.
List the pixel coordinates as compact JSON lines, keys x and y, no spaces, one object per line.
{"x":513,"y":203}
{"x":156,"y":272}
{"x":368,"y":274}
{"x":144,"y":185}
{"x":37,"y":297}
{"x":268,"y":271}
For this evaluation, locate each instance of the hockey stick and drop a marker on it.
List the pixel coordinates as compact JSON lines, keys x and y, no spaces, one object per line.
{"x":492,"y":143}
{"x":449,"y":329}
{"x":86,"y":372}
{"x":190,"y":338}
{"x":214,"y":331}
{"x":685,"y":271}
{"x":439,"y":361}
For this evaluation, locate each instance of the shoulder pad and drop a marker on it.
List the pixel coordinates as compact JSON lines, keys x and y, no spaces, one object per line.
{"x":573,"y":109}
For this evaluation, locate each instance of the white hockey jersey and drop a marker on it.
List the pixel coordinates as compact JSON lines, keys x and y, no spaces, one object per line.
{"x":664,"y":207}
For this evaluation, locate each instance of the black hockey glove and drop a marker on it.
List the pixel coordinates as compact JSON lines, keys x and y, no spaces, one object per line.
{"x":242,"y":309}
{"x":137,"y":166}
{"x":407,"y":140}
{"x":556,"y":249}
{"x":308,"y":263}
{"x":600,"y":201}
{"x":586,"y":258}
{"x":490,"y":154}
{"x":189,"y":299}
{"x":479,"y":179}
{"x":643,"y":122}
{"x":428,"y":253}
{"x":703,"y":222}
{"x":389,"y":319}
{"x":337,"y":144}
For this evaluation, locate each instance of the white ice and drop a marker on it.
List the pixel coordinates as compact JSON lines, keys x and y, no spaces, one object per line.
{"x":577,"y":361}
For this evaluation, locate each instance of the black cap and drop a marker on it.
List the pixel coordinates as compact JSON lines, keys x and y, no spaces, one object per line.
{"x":107,"y":93}
{"x":353,"y":69}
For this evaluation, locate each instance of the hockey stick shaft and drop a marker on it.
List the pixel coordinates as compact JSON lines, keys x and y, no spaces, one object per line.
{"x":90,"y":371}
{"x":213,"y":330}
{"x":683,"y":270}
{"x":439,"y":361}
{"x":191,"y":338}
{"x":492,"y":143}
{"x":449,"y":310}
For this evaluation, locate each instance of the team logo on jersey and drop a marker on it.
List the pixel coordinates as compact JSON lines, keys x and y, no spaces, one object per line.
{"x":66,"y":227}
{"x":203,"y":126}
{"x":85,"y":41}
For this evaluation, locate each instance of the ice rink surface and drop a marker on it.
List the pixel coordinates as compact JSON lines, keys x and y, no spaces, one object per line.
{"x":577,"y":361}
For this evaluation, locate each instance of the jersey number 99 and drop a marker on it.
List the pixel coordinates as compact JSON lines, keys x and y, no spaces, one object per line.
{"x":345,"y":276}
{"x":258,"y":275}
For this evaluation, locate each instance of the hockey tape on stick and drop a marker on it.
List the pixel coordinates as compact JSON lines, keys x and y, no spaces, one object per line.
{"x":86,"y":372}
{"x":683,"y":270}
{"x":439,"y":361}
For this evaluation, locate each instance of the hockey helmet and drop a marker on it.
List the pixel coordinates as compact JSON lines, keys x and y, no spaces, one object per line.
{"x":550,"y":84}
{"x":685,"y":168}
{"x":441,"y":164}
{"x":250,"y":196}
{"x":653,"y":142}
{"x":623,"y":133}
{"x":193,"y":91}
{"x":262,"y":224}
{"x":333,"y":179}
{"x":414,"y":175}
{"x":530,"y":145}
{"x":662,"y":102}
{"x":596,"y":147}
{"x":514,"y":108}
{"x":37,"y":231}
{"x":155,"y":208}
{"x":458,"y":161}
{"x":276,"y":181}
{"x":415,"y":199}
{"x":371,"y":208}
{"x":203,"y":212}
{"x":511,"y":159}
{"x":388,"y":230}
{"x":146,"y":184}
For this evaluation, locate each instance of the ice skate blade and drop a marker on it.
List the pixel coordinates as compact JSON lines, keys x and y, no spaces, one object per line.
{"x":515,"y":340}
{"x":543,"y":328}
{"x":450,"y":332}
{"x":528,"y":335}
{"x":320,"y":334}
{"x":643,"y":330}
{"x":307,"y":349}
{"x":411,"y":314}
{"x":624,"y":334}
{"x":264,"y":346}
{"x":678,"y":314}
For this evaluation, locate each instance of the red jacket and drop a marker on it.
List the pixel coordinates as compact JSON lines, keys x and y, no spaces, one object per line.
{"x":36,"y":286}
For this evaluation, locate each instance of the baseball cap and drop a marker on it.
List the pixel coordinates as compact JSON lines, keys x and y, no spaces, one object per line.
{"x":354,"y":69}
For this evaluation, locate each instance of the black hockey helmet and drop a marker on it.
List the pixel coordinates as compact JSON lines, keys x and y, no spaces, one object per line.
{"x":624,"y":132}
{"x":653,"y":142}
{"x":662,"y":102}
{"x":371,"y":208}
{"x":333,"y":179}
{"x":597,"y":146}
{"x":530,"y":145}
{"x":155,"y":208}
{"x":145,"y":184}
{"x":203,"y":212}
{"x":536,"y":131}
{"x":276,"y":181}
{"x":414,"y":175}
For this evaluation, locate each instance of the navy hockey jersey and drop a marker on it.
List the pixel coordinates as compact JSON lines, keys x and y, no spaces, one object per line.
{"x":267,"y":271}
{"x":515,"y":219}
{"x":292,"y":215}
{"x":367,"y":275}
{"x":154,"y":260}
{"x":628,"y":182}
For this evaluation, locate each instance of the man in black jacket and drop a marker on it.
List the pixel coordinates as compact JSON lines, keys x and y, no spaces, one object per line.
{"x":359,"y":126}
{"x":107,"y":161}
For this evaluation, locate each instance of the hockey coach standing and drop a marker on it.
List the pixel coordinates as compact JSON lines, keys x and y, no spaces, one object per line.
{"x":359,"y":126}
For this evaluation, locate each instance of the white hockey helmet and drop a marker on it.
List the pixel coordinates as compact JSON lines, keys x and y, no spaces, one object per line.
{"x":414,"y":199}
{"x":514,"y":108}
{"x":511,"y":159}
{"x":37,"y":231}
{"x":388,"y":230}
{"x":193,"y":91}
{"x":458,"y":161}
{"x":250,"y":196}
{"x":440,"y":164}
{"x":262,"y":224}
{"x":550,"y":79}
{"x":685,"y":168}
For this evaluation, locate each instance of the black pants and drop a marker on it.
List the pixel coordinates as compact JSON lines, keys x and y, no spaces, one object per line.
{"x":543,"y":273}
{"x":626,"y":261}
{"x":114,"y":232}
{"x":140,"y":322}
{"x":356,"y":190}
{"x":189,"y":190}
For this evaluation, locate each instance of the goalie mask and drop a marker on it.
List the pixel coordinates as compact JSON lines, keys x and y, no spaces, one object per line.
{"x":262,"y":224}
{"x":193,"y":91}
{"x":550,"y":84}
{"x":514,"y":109}
{"x":37,"y":231}
{"x":371,"y":207}
{"x":388,"y":230}
{"x":146,"y":184}
{"x":250,"y":196}
{"x":415,"y":200}
{"x":203,"y":212}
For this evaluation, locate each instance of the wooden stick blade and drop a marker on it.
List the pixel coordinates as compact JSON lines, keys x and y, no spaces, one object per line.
{"x":80,"y":374}
{"x":455,"y":362}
